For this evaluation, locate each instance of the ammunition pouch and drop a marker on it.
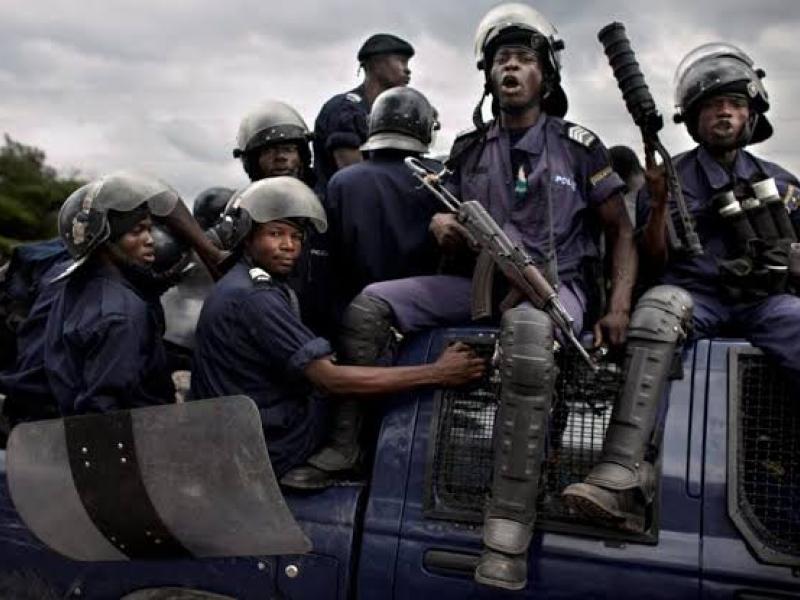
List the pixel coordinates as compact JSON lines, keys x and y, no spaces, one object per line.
{"x":762,"y":235}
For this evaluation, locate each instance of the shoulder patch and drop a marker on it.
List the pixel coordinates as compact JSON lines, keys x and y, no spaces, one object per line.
{"x":259,"y":276}
{"x":580,"y":135}
{"x":353,"y":97}
{"x":600,"y":175}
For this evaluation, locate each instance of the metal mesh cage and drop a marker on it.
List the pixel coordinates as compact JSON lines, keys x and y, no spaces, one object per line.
{"x":764,"y":492}
{"x":460,"y":465}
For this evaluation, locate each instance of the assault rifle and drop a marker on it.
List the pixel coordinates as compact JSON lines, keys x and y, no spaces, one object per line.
{"x":497,"y":249}
{"x":642,"y":108}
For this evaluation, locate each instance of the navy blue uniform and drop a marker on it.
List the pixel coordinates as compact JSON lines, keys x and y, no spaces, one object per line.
{"x":772,"y":324}
{"x":341,"y":123}
{"x":19,"y":288}
{"x":28,"y":393}
{"x":378,"y":218}
{"x":555,"y":163}
{"x":103,"y":348}
{"x":513,"y":180}
{"x":250,"y":341}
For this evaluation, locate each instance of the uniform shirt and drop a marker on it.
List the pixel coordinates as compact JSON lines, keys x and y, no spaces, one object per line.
{"x":701,"y":179}
{"x":103,"y":349}
{"x":29,"y":394}
{"x":250,"y":341}
{"x":341,"y":123}
{"x":378,"y":218}
{"x":563,"y":161}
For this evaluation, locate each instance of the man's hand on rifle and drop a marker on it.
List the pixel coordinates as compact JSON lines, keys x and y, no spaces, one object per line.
{"x":449,"y":233}
{"x":612,"y":329}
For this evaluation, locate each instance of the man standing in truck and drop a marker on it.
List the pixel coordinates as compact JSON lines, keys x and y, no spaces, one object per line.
{"x":341,"y":126}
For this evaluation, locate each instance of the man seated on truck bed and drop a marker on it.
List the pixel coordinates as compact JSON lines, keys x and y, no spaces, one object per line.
{"x":250,"y":338}
{"x":743,"y":283}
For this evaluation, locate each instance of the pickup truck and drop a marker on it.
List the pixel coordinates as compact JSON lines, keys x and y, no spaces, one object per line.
{"x":725,"y":523}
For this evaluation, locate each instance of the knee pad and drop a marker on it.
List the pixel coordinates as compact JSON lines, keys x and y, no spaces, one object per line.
{"x":526,"y":351}
{"x":366,"y":332}
{"x":663,"y":314}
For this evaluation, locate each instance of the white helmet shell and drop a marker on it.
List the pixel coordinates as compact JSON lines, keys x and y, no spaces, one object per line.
{"x":520,"y":16}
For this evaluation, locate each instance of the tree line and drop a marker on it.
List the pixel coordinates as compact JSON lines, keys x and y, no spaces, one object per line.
{"x":31,"y":192}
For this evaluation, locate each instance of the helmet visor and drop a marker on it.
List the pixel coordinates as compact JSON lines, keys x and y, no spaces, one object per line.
{"x":125,"y":190}
{"x":707,"y":68}
{"x":279,"y":198}
{"x":518,"y":16}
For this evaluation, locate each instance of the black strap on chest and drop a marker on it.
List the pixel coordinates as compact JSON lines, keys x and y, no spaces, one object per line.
{"x":106,"y":472}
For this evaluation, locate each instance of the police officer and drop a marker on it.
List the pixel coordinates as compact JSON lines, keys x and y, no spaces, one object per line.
{"x":251,"y":340}
{"x":341,"y":126}
{"x":378,"y":230}
{"x":723,"y":103}
{"x":378,"y":214}
{"x":549,"y":185}
{"x":24,"y":383}
{"x":102,"y":342}
{"x":22,"y":279}
{"x":274,"y":140}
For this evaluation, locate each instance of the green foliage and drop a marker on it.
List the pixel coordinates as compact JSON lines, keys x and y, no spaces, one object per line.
{"x":30,"y":195}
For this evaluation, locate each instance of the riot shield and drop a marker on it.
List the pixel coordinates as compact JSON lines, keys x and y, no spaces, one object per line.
{"x":176,"y":480}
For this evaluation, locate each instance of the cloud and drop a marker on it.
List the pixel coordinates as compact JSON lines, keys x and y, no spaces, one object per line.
{"x":162,"y":86}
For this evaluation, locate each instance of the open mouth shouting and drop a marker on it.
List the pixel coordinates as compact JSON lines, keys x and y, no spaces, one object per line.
{"x":510,"y":84}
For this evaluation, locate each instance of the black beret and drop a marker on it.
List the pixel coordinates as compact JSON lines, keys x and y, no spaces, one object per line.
{"x":384,"y":43}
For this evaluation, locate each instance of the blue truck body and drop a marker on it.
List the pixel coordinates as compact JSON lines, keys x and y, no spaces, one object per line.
{"x":382,"y":539}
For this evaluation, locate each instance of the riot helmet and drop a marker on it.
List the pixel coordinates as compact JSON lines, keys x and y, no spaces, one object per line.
{"x":520,"y":25}
{"x":209,"y":205}
{"x":173,"y":257}
{"x":720,"y":68}
{"x":84,"y":223}
{"x":274,"y":199}
{"x":401,"y":119}
{"x":273,"y":122}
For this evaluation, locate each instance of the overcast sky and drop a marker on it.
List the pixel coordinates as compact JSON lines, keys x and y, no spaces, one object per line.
{"x":161,"y":86}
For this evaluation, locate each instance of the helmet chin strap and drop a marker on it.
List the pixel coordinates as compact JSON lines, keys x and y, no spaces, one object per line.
{"x":477,"y":114}
{"x":747,"y":131}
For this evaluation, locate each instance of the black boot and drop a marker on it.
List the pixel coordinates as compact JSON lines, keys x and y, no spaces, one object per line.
{"x":365,"y":337}
{"x":342,"y":451}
